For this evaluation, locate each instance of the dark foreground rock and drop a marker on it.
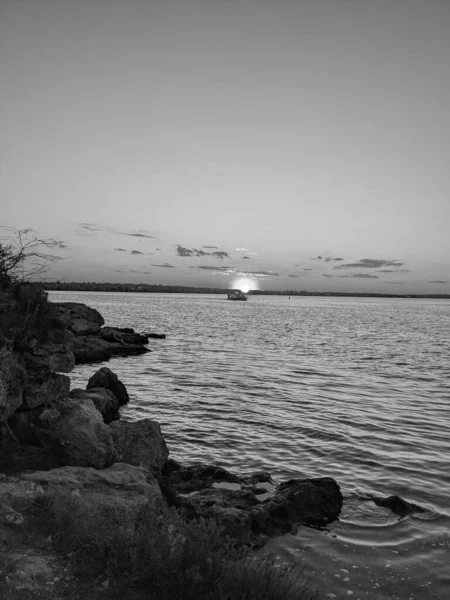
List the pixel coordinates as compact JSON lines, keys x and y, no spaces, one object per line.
{"x":251,"y":505}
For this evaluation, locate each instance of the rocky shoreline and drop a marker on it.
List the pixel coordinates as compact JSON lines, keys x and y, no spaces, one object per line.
{"x":54,"y":438}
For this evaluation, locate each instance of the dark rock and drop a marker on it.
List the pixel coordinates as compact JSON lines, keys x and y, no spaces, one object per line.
{"x":45,"y":389}
{"x":73,"y":430}
{"x":140,"y":443}
{"x":250,"y":506}
{"x":104,"y":401}
{"x":105,"y":378}
{"x":313,"y":502}
{"x":78,"y":318}
{"x":122,"y":335}
{"x":89,"y":349}
{"x":399,"y":506}
{"x":156,"y":336}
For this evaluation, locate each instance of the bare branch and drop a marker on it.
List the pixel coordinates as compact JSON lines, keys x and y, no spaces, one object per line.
{"x":22,"y":254}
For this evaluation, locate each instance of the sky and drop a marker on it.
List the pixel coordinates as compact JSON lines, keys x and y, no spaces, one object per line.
{"x":279,"y":144}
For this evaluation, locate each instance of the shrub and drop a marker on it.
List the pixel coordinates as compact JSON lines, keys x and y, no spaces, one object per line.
{"x":163,"y":557}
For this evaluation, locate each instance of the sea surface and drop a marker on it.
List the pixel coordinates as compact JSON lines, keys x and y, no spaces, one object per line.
{"x":353,"y":388}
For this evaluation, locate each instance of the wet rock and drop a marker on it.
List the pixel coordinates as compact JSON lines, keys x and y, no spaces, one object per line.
{"x":398,"y":506}
{"x":250,"y":505}
{"x":124,"y":335}
{"x":156,"y":336}
{"x":89,"y":349}
{"x":104,"y":401}
{"x":313,"y":502}
{"x":140,"y":443}
{"x":105,"y":378}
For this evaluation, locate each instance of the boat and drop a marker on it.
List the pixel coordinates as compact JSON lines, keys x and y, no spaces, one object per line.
{"x":236,"y":295}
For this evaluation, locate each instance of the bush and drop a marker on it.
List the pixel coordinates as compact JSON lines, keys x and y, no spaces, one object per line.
{"x":163,"y":557}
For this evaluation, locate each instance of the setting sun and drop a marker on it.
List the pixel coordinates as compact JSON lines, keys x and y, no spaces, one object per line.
{"x":245,"y":284}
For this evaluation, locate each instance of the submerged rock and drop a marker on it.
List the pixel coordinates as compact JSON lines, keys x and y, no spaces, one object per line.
{"x":398,"y":506}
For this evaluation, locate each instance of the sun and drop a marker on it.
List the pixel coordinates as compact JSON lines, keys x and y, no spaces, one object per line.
{"x":245,"y":284}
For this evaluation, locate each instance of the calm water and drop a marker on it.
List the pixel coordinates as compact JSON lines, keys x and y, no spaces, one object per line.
{"x":356,"y":389}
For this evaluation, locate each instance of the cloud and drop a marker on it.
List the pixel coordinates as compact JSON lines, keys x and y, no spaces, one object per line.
{"x":166,"y":266}
{"x":395,"y":282}
{"x":120,"y":249}
{"x":213,"y":247}
{"x":241,"y":249}
{"x":330,"y":258}
{"x":315,"y":258}
{"x":438,"y":281}
{"x":90,"y":227}
{"x":307,"y":269}
{"x":261,"y":273}
{"x":136,"y":252}
{"x":393,"y":271}
{"x":184,"y":252}
{"x":360,"y":276}
{"x":246,"y":257}
{"x":208,"y":268}
{"x":370,"y":263}
{"x":293,"y":275}
{"x":326,"y":275}
{"x":138,"y":235}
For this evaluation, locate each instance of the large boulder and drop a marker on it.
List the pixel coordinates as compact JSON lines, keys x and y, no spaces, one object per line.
{"x":104,"y":401}
{"x":74,"y":430}
{"x":119,"y":493}
{"x":105,"y":378}
{"x":140,"y":443}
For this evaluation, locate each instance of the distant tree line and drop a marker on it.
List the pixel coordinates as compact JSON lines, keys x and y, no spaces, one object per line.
{"x":92,"y":286}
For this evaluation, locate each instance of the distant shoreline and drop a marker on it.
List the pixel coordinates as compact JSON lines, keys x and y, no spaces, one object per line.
{"x":75,"y":286}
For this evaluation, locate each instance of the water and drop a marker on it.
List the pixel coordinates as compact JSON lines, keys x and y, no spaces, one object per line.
{"x":353,"y":388}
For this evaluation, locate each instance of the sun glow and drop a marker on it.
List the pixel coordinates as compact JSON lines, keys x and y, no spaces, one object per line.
{"x":245,"y":284}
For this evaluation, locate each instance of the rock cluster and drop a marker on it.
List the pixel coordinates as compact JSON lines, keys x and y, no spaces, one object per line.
{"x":90,"y":341}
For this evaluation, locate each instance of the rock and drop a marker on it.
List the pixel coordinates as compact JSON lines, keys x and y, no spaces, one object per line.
{"x":79,"y":318}
{"x":18,"y":493}
{"x":398,"y":505}
{"x":105,"y":378}
{"x":13,"y":377}
{"x":10,"y":517}
{"x":156,"y":336}
{"x":140,"y":443}
{"x":55,"y":357}
{"x":250,"y":506}
{"x":45,"y":389}
{"x":314,"y":502}
{"x":124,"y":335}
{"x":104,"y":401}
{"x":74,"y":430}
{"x":89,"y":349}
{"x":119,"y":493}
